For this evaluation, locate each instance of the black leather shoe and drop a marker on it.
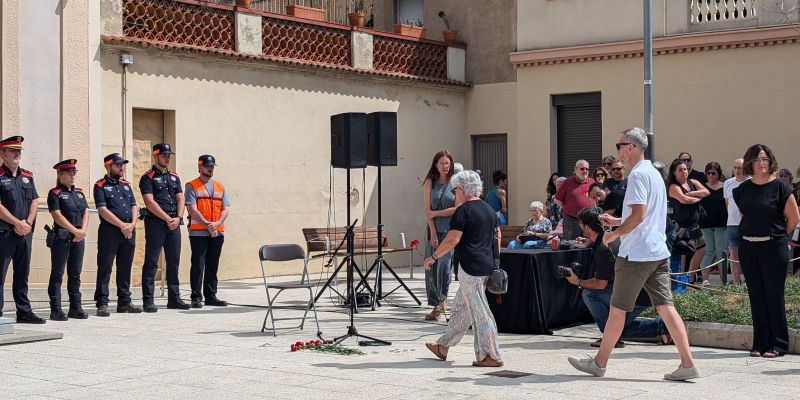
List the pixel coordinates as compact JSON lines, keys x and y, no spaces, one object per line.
{"x":197,"y":304}
{"x":29,"y":318}
{"x":178,"y":304}
{"x":129,"y":308}
{"x":150,"y":308}
{"x":216,"y":302}
{"x":58,"y":315}
{"x":102,"y":311}
{"x":77,"y":313}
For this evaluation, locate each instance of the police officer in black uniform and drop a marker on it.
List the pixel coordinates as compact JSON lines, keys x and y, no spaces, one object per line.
{"x":116,"y":236}
{"x":67,"y":206}
{"x":163,"y":197}
{"x":18,"y":203}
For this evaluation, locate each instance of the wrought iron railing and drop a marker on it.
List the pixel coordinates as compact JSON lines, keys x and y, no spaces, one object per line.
{"x":179,"y":22}
{"x":421,"y":58}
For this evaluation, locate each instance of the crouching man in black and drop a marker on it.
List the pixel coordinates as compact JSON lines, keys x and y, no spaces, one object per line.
{"x":597,"y":290}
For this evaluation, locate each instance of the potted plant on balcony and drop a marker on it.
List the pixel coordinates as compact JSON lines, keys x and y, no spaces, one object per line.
{"x":412,"y":28}
{"x":313,"y":13}
{"x":356,"y":17}
{"x":449,"y":34}
{"x":243,"y":3}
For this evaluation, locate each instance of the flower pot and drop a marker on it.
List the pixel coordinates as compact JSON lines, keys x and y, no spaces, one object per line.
{"x":243,"y":3}
{"x":316,"y":14}
{"x":409,"y":30}
{"x":450,"y":35}
{"x":356,"y":19}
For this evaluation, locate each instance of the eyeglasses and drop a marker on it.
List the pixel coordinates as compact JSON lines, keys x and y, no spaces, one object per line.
{"x":453,"y":190}
{"x":711,"y":173}
{"x":608,"y":164}
{"x":600,"y":175}
{"x":686,"y":160}
{"x":619,"y":145}
{"x":761,"y":160}
{"x":617,"y":169}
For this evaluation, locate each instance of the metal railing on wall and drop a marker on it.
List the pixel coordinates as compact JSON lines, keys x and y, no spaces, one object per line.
{"x":335,"y":10}
{"x":711,"y":11}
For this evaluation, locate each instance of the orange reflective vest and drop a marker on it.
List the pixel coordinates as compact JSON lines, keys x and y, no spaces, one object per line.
{"x":210,"y":207}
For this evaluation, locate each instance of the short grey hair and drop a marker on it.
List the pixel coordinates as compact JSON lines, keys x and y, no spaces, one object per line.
{"x":636,"y":136}
{"x":560,"y":179}
{"x":458,"y":167}
{"x":469,"y":181}
{"x":579,"y":162}
{"x":537,"y":204}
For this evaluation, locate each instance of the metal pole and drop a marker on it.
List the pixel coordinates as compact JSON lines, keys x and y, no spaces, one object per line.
{"x":648,"y":79}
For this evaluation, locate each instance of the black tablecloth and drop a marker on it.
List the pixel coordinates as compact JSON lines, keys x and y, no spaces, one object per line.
{"x":537,"y":300}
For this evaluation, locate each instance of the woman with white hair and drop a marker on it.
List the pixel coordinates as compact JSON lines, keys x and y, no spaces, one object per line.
{"x":472,"y":231}
{"x":537,"y":226}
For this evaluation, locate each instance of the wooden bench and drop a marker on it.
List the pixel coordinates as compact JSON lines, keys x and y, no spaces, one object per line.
{"x":322,"y":242}
{"x":509,"y":233}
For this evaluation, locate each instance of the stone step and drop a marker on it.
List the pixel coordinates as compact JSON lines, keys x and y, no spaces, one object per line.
{"x":6,"y":326}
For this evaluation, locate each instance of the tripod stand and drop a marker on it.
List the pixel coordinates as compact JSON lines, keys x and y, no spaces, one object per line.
{"x":347,"y":260}
{"x":351,"y":287}
{"x":380,"y":263}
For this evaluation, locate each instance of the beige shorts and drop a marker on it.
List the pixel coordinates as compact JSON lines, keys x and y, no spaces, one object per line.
{"x":631,"y":276}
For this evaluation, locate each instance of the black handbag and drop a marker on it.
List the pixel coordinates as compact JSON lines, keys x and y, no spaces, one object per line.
{"x":498,"y":279}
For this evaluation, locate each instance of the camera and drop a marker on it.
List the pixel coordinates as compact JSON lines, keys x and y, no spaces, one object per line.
{"x":563,"y":272}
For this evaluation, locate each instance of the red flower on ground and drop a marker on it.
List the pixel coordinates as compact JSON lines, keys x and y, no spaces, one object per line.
{"x":414,"y":243}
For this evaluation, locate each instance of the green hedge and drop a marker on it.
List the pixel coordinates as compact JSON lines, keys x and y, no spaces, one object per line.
{"x":730,"y":305}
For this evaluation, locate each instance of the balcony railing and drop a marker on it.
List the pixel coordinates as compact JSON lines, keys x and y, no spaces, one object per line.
{"x":210,"y":26}
{"x":711,"y":11}
{"x":335,"y":10}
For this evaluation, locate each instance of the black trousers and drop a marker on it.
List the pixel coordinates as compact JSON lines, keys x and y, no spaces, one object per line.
{"x":764,"y":268}
{"x":112,"y":244}
{"x":205,"y":264}
{"x":66,"y":253}
{"x":157,"y":236}
{"x":17,"y":249}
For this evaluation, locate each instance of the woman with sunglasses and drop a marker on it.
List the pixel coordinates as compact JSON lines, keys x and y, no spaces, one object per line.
{"x":600,"y":174}
{"x":769,"y":216}
{"x":714,"y":223}
{"x":684,"y":195}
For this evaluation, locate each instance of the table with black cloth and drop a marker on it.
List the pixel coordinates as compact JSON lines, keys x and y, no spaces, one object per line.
{"x":537,"y":300}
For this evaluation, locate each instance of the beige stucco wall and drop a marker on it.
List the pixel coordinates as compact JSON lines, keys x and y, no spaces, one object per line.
{"x":269,"y":130}
{"x":9,"y":67}
{"x":701,"y":104}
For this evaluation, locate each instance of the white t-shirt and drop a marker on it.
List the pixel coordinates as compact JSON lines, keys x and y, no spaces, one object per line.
{"x":734,"y":217}
{"x":646,"y":242}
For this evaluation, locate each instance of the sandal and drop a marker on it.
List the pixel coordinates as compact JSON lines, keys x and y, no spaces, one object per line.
{"x":755,"y":353}
{"x":435,"y":349}
{"x":771,"y":354}
{"x":620,"y":344}
{"x":665,"y":339}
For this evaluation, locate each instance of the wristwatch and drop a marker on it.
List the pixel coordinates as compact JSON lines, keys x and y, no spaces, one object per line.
{"x":433,"y":256}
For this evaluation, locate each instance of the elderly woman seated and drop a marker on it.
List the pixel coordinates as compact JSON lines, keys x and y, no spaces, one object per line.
{"x":536,"y":231}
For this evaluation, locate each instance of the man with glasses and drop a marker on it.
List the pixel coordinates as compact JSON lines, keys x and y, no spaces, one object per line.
{"x":643,"y":259}
{"x":693,"y":173}
{"x":572,"y":198}
{"x":617,"y":179}
{"x":608,"y":161}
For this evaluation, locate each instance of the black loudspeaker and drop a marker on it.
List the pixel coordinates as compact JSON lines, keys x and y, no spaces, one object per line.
{"x":349,"y":140}
{"x":382,"y":139}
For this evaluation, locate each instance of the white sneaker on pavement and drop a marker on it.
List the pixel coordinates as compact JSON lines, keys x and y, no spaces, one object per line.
{"x":682,"y":374}
{"x":586,"y":364}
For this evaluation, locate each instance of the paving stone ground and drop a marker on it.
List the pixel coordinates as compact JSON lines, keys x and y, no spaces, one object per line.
{"x":220,"y":353}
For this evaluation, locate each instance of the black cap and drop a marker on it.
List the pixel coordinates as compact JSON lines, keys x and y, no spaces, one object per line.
{"x":206,"y":160}
{"x":114,"y":158}
{"x":162,"y":148}
{"x":13,"y":142}
{"x":66,"y":165}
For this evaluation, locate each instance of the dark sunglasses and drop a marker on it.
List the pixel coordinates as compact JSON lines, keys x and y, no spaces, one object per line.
{"x":453,"y":190}
{"x":711,"y":173}
{"x":619,"y":145}
{"x":583,"y":169}
{"x":617,"y":169}
{"x":599,"y":175}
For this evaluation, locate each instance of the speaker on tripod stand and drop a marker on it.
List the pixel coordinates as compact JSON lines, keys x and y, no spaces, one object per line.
{"x":349,"y":150}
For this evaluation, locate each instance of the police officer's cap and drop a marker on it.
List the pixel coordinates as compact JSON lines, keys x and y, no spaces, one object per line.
{"x":206,"y":160}
{"x":13,"y":142}
{"x":66,"y":165}
{"x":114,"y":158}
{"x":162,"y":148}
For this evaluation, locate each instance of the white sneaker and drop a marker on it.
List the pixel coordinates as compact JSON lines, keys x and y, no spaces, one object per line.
{"x":587,"y":365}
{"x":682,"y":374}
{"x":706,"y":283}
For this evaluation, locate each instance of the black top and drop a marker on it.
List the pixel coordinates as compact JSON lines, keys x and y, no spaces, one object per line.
{"x":613,"y":184}
{"x":614,"y":202}
{"x":477,"y":221}
{"x":16,"y":194}
{"x":117,"y":196}
{"x":164,"y":187}
{"x":762,"y":208}
{"x":716,"y":212}
{"x":698,"y":176}
{"x":70,"y":201}
{"x":686,"y":215}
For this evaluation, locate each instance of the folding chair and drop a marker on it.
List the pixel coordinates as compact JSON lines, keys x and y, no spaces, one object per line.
{"x":286,"y":252}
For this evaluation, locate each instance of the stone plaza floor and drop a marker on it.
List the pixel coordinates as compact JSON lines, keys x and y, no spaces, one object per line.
{"x":220,"y":353}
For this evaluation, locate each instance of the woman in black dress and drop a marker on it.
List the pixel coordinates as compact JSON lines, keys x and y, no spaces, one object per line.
{"x":769,"y":216}
{"x":684,"y":195}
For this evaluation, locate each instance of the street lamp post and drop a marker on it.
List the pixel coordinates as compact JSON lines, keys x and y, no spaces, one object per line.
{"x":648,"y":78}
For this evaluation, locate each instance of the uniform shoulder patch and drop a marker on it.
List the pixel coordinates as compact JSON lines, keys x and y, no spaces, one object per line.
{"x":55,"y":191}
{"x":77,"y":189}
{"x":101,"y":182}
{"x":174,"y":174}
{"x":151,"y":174}
{"x":26,"y":172}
